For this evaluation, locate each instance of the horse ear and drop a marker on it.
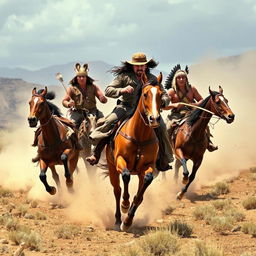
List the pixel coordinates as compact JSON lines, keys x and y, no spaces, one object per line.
{"x":220,"y":90}
{"x":34,"y":91}
{"x":77,"y":66}
{"x":211,"y":93}
{"x":44,"y":91}
{"x":160,"y":78}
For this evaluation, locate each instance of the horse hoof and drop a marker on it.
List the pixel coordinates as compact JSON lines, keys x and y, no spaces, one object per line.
{"x":179,"y":196}
{"x":185,"y":180}
{"x":125,"y":208}
{"x":124,"y":227}
{"x":52,"y":191}
{"x":117,"y":227}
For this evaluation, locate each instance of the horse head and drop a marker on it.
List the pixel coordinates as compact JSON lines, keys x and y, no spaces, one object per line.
{"x":220,"y":106}
{"x":151,"y":102}
{"x":37,"y":104}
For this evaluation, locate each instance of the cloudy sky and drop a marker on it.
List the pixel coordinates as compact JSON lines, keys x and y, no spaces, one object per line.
{"x":40,"y":33}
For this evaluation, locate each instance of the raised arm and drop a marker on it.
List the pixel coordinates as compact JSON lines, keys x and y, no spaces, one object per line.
{"x":67,"y":101}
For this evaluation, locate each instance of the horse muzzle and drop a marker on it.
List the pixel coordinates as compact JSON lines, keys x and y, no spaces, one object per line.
{"x":32,"y":121}
{"x":154,"y":121}
{"x":230,"y":118}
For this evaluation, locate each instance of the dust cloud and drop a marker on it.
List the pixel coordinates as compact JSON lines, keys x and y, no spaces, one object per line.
{"x":93,"y":201}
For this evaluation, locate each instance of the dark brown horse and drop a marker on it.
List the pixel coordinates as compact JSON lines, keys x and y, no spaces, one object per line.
{"x":135,"y":152}
{"x":189,"y":140}
{"x":54,"y":145}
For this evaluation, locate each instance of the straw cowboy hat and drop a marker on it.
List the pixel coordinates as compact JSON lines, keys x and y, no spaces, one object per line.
{"x":139,"y":58}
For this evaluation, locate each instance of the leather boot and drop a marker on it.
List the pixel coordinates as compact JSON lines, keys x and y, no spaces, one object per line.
{"x":162,"y":163}
{"x":95,"y":157}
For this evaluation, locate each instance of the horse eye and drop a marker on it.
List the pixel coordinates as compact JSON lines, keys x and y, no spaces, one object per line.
{"x":145,"y":95}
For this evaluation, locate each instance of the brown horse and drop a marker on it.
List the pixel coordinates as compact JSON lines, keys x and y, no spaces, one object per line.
{"x":54,"y":146}
{"x":135,"y":152}
{"x":189,"y":140}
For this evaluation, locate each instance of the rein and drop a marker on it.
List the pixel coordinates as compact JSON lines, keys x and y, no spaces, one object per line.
{"x":41,"y":125}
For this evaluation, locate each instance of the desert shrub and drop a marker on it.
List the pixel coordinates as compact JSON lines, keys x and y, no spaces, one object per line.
{"x":40,"y":216}
{"x":249,"y":228}
{"x":235,"y":214}
{"x":253,"y":169}
{"x":222,"y":204}
{"x":203,"y":249}
{"x":22,"y":209}
{"x":67,"y":231}
{"x":180,"y":228}
{"x":159,"y":243}
{"x":29,"y":216}
{"x":5,"y":192}
{"x":253,"y":176}
{"x":246,"y":254}
{"x":205,"y":212}
{"x":220,"y":188}
{"x":31,"y":239}
{"x":11,"y":224}
{"x":249,"y":203}
{"x":221,"y":224}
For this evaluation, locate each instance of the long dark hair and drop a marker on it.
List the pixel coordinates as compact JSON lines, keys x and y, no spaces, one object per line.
{"x":89,"y":81}
{"x":127,"y":67}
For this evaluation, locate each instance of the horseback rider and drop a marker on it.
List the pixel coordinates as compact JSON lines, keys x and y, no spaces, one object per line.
{"x":180,"y":90}
{"x":127,"y":86}
{"x":81,"y":96}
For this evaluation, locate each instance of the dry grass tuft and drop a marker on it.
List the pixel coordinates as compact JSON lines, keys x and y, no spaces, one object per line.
{"x":169,"y":210}
{"x":249,"y":203}
{"x":159,"y":243}
{"x":221,"y":224}
{"x":249,"y":228}
{"x":31,"y":239}
{"x":5,"y":192}
{"x":205,"y":212}
{"x":180,"y":228}
{"x":67,"y":231}
{"x":253,"y":169}
{"x":203,"y":249}
{"x":220,"y":188}
{"x":222,"y":204}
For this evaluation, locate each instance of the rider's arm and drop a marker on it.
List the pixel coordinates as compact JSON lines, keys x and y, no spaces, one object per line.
{"x":118,"y":87}
{"x":115,"y":87}
{"x":174,"y":103}
{"x":67,"y":101}
{"x":197,"y":96}
{"x":99,"y":94}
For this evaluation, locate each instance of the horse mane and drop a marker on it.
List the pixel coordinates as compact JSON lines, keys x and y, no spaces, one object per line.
{"x":53,"y":108}
{"x":195,"y":114}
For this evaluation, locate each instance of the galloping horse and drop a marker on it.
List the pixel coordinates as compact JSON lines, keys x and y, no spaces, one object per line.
{"x":135,"y":152}
{"x":54,"y":146}
{"x":189,"y":140}
{"x":87,"y":125}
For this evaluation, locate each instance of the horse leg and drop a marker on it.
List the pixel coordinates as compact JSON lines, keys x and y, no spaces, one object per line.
{"x":115,"y":182}
{"x":64,"y":158}
{"x":183,"y":161}
{"x":43,"y":168}
{"x":55,"y":177}
{"x":196,"y":165}
{"x":126,"y":179}
{"x":144,"y":182}
{"x":177,"y":167}
{"x":72,"y":163}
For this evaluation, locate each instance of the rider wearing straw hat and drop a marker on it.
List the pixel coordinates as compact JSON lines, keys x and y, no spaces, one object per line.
{"x":127,"y":86}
